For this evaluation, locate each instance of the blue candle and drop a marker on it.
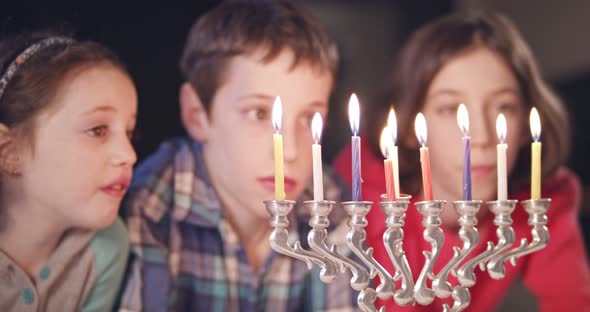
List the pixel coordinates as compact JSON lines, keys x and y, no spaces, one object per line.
{"x":354,"y":117}
{"x":463,"y":121}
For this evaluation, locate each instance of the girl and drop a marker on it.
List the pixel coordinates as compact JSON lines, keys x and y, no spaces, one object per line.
{"x":67,"y":109}
{"x":480,"y":59}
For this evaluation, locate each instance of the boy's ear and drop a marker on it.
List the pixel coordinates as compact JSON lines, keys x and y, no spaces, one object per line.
{"x":9,"y":153}
{"x":193,"y":114}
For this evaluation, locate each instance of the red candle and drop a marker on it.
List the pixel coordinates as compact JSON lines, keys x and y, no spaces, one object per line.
{"x":421,"y":134}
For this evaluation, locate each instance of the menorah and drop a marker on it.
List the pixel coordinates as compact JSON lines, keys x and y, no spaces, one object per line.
{"x":332,"y":263}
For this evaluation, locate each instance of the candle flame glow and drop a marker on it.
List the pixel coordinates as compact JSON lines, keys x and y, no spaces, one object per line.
{"x":421,"y":130}
{"x":535,"y":123}
{"x":463,"y":119}
{"x":354,"y":112}
{"x":277,"y":114}
{"x":385,"y":142}
{"x":501,"y":128}
{"x":392,"y":124}
{"x":316,"y":128}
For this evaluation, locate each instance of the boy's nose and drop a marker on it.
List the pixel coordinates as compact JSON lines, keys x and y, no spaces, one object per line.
{"x":289,"y":144}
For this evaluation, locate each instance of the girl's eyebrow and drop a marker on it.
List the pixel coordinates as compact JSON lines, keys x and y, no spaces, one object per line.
{"x":102,"y":108}
{"x":443,"y":92}
{"x":505,"y":90}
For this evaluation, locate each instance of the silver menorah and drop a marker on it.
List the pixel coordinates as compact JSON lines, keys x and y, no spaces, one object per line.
{"x":332,"y":263}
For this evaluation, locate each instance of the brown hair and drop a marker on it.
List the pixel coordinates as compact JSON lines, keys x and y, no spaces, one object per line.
{"x":434,"y":44}
{"x":37,"y":80}
{"x":240,"y":27}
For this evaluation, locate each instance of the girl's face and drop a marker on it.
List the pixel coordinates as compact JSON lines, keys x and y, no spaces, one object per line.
{"x":483,"y":81}
{"x":80,"y":164}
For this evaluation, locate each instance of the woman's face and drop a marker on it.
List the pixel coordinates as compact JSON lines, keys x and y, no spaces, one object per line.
{"x":483,"y":81}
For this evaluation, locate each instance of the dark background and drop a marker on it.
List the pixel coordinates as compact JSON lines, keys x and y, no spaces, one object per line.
{"x":149,"y":38}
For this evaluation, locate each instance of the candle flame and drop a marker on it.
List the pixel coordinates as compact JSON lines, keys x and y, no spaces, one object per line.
{"x":385,"y":142}
{"x":316,"y":128}
{"x":354,"y":112}
{"x":501,"y":128}
{"x":535,"y":123}
{"x":392,"y":124}
{"x":421,"y":130}
{"x":463,"y":119}
{"x":277,"y":114}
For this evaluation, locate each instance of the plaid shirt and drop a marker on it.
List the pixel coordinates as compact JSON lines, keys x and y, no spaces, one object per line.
{"x":187,"y":257}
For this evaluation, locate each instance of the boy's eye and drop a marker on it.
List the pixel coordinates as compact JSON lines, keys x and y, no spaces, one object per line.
{"x":130,"y":134}
{"x":258,"y":114}
{"x":99,"y":131}
{"x":307,"y":118}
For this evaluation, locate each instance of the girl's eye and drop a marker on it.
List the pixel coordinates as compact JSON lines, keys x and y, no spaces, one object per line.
{"x":99,"y":131}
{"x":257,"y":114}
{"x":507,"y":107}
{"x":449,"y":109}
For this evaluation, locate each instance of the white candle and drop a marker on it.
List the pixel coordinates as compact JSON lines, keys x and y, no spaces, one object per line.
{"x":316,"y":149}
{"x":501,"y":130}
{"x":392,"y":125}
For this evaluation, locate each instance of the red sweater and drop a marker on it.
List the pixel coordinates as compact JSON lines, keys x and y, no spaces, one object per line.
{"x":558,"y":275}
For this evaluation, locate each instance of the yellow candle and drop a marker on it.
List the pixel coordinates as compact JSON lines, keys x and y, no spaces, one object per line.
{"x":277,"y":112}
{"x":535,"y":123}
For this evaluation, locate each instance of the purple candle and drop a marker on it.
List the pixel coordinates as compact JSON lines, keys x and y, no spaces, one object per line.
{"x":354,"y":117}
{"x":463,"y":121}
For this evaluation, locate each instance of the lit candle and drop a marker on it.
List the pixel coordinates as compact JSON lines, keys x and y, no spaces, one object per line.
{"x":354,"y":118}
{"x":316,"y":148}
{"x":386,"y":144}
{"x":535,"y":123}
{"x":421,"y":134}
{"x":501,"y":130}
{"x":277,"y":117}
{"x":392,"y":125}
{"x":463,"y":121}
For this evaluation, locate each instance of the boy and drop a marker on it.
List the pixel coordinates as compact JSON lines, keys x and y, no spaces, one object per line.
{"x":197,"y":223}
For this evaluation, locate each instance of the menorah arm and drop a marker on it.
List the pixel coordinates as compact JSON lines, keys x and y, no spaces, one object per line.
{"x":422,"y":293}
{"x":355,"y":238}
{"x":461,"y":299}
{"x":430,"y":211}
{"x":366,"y":300}
{"x":279,"y":243}
{"x":537,"y":209}
{"x":440,"y":284}
{"x":360,"y":276}
{"x":393,"y":240}
{"x":541,"y":237}
{"x":495,"y":265}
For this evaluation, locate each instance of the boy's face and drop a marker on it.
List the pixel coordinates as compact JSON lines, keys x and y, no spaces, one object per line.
{"x":238,"y":144}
